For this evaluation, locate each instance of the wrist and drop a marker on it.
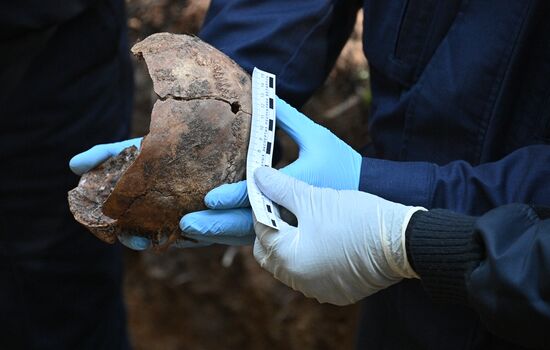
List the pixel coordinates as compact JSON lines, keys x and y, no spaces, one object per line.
{"x":389,"y":221}
{"x":410,"y":183}
{"x":408,"y":270}
{"x":441,"y":248}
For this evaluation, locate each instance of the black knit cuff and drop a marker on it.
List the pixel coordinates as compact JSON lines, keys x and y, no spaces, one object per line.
{"x":441,"y":249}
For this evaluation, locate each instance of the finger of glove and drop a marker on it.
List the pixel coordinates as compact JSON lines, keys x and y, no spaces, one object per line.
{"x":261,"y":255}
{"x":299,"y":127}
{"x":85,"y":161}
{"x":224,"y":240}
{"x":270,"y":263}
{"x":142,"y":243}
{"x":300,"y":170}
{"x":228,"y":196}
{"x":281,"y":188}
{"x":135,"y":242}
{"x":230,"y":226}
{"x":269,"y":253}
{"x":270,"y":238}
{"x":263,"y":250}
{"x":181,"y":243}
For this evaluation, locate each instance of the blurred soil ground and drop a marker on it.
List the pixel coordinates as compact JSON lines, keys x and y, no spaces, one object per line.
{"x":218,"y":297}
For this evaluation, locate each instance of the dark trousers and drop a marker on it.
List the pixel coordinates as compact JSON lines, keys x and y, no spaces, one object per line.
{"x":60,"y":287}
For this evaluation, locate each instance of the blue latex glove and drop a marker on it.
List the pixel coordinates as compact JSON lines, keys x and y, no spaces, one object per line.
{"x":324,"y":161}
{"x":85,"y":161}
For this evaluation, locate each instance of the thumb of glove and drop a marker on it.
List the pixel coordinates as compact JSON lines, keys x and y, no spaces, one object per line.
{"x":280,"y":188}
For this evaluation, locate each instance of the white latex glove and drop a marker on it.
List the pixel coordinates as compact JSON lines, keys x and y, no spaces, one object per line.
{"x":347,"y":246}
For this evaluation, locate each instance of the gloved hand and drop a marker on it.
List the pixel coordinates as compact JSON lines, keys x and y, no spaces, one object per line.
{"x":86,"y":161}
{"x":96,"y":155}
{"x":347,"y":246}
{"x":324,"y":161}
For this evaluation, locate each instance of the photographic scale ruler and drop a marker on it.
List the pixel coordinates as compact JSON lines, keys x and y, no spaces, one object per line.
{"x":260,"y":147}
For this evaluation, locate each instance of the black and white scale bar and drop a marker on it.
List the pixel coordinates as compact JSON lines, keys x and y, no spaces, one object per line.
{"x":260,"y":148}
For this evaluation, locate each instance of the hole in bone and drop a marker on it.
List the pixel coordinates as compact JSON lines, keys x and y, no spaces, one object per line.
{"x":235,"y":107}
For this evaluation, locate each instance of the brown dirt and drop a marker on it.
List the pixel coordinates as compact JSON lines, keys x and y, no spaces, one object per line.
{"x":218,"y":297}
{"x":189,"y":300}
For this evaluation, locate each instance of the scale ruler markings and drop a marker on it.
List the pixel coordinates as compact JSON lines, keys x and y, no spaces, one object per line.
{"x":260,"y":147}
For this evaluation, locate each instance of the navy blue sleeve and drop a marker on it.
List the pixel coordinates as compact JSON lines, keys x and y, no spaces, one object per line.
{"x":298,"y":41}
{"x":498,"y":264}
{"x":511,"y":287}
{"x":521,"y":177}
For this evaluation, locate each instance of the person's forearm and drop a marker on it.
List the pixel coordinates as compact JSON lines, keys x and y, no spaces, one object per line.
{"x":497,"y":264}
{"x":298,"y":41}
{"x":442,"y":250}
{"x":521,"y":177}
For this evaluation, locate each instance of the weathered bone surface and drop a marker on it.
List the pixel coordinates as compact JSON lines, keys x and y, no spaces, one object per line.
{"x":197,"y":140}
{"x":86,"y":200}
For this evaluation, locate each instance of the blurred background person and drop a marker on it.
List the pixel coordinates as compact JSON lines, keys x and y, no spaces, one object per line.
{"x":65,"y":85}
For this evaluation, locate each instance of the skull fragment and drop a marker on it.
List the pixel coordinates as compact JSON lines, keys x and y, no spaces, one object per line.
{"x":197,"y":140}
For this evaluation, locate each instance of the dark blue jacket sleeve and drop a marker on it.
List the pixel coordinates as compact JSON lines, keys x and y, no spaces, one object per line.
{"x":298,"y":41}
{"x":521,"y":177}
{"x":499,"y":264}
